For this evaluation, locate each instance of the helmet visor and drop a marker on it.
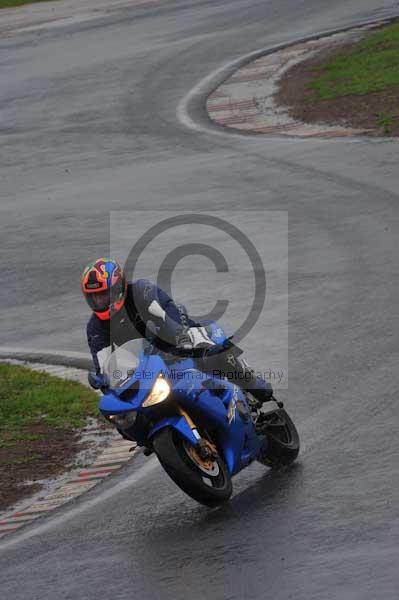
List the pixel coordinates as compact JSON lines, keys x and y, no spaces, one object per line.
{"x":99,"y":301}
{"x":102,"y":301}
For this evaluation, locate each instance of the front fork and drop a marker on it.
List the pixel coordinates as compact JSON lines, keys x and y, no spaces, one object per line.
{"x":189,"y":420}
{"x":205,"y":448}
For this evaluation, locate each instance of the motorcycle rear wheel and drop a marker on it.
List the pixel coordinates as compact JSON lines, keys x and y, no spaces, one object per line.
{"x":282,"y":443}
{"x":209,"y":484}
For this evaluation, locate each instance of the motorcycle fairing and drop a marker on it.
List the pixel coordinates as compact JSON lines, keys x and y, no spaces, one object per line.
{"x":237,"y":438}
{"x":216,"y":404}
{"x":179,"y":423}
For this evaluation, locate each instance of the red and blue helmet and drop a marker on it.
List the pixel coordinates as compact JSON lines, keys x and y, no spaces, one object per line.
{"x":104,"y":287}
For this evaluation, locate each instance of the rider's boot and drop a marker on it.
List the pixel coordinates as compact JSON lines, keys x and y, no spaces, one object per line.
{"x":259,"y":390}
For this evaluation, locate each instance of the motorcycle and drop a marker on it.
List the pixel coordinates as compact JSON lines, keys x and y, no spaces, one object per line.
{"x":200,"y":427}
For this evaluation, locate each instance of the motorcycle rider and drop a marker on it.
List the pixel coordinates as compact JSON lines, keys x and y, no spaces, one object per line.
{"x":122,"y":311}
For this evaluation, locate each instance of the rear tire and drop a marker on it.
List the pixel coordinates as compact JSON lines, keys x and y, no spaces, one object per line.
{"x":281,"y":446}
{"x":173,"y":454}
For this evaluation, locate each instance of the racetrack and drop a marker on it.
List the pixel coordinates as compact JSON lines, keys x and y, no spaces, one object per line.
{"x":88,"y":124}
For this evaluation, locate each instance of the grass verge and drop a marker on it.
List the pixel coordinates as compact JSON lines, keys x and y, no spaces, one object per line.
{"x":355,"y":85}
{"x":371,"y":66}
{"x":14,"y":3}
{"x":40,"y":416}
{"x":28,"y":396}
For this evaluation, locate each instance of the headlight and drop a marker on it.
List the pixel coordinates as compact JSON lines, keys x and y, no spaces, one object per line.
{"x":160,"y":391}
{"x":122,"y":420}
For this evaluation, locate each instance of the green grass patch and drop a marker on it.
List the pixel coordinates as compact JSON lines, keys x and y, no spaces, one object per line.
{"x":34,"y":397}
{"x":12,"y":3}
{"x":371,"y":66}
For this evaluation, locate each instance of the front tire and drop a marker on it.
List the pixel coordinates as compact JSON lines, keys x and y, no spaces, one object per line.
{"x":209,"y":485}
{"x":281,"y":446}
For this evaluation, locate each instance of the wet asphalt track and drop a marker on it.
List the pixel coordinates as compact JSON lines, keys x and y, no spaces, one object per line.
{"x":88,"y":124}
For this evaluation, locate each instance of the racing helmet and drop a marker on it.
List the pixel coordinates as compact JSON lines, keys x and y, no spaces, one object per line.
{"x":104,"y":287}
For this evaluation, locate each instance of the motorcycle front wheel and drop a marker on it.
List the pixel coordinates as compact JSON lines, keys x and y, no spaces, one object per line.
{"x":206,"y":481}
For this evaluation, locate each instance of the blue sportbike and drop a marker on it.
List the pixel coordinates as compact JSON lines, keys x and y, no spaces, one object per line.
{"x":201,"y":427}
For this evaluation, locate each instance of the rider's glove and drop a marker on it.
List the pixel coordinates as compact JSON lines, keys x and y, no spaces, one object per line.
{"x":97,"y":381}
{"x":184,"y":341}
{"x":194,"y":338}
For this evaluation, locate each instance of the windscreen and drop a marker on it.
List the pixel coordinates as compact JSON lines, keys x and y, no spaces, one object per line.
{"x":120,"y":364}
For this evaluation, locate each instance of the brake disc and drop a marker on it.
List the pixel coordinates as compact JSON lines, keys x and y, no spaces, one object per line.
{"x":207,"y":465}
